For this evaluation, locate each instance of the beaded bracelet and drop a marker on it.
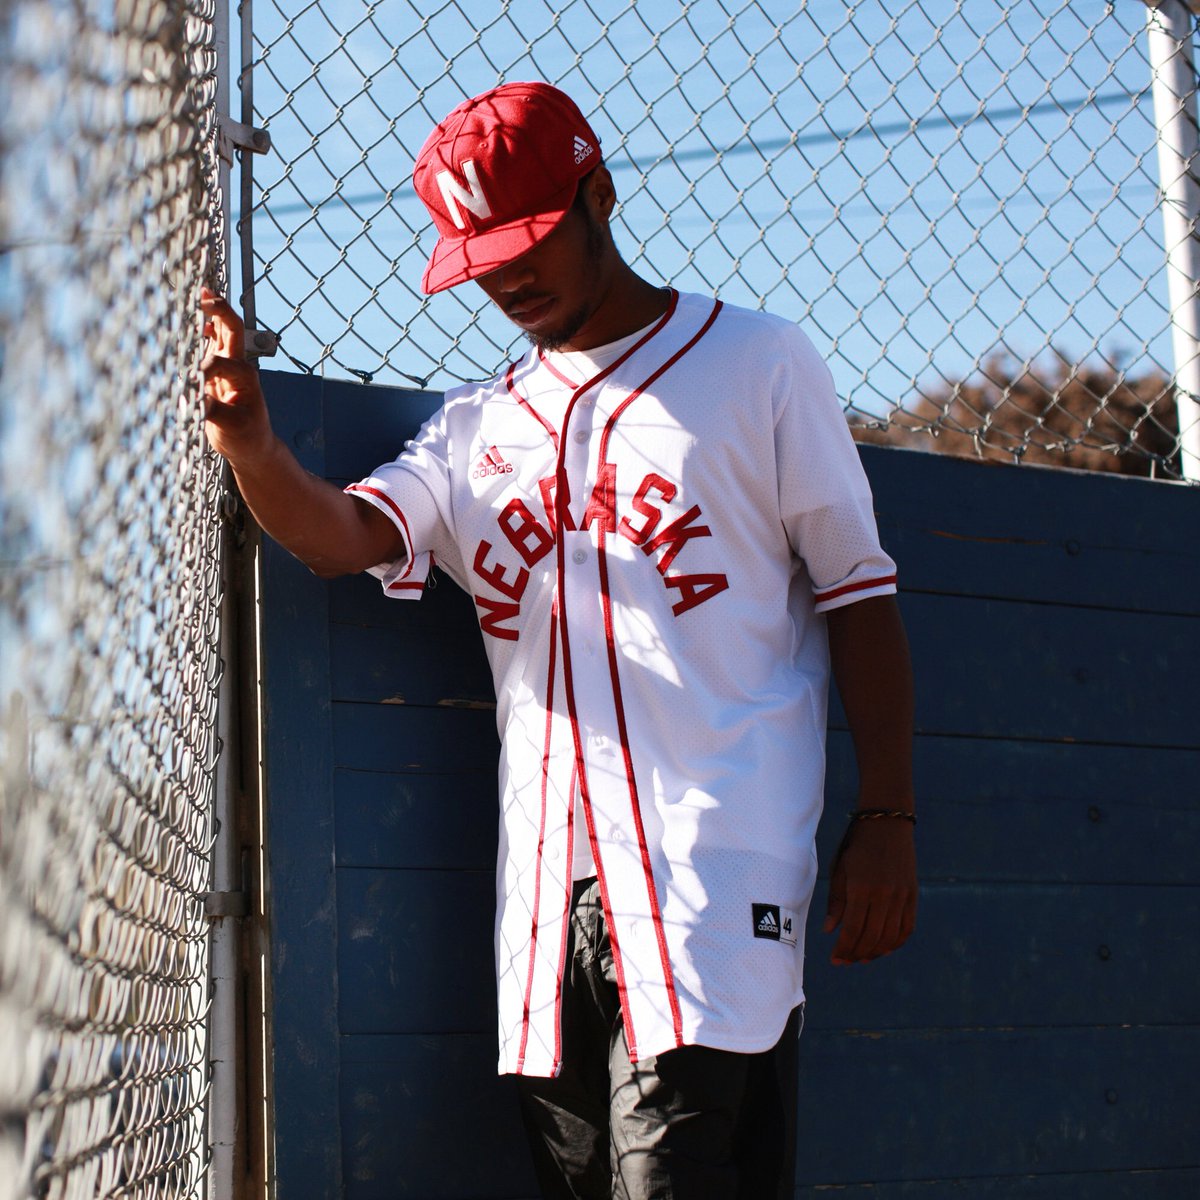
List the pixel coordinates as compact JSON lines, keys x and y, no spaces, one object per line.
{"x":875,"y":814}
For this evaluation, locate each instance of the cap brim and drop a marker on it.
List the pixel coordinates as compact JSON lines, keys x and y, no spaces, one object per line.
{"x":455,"y":260}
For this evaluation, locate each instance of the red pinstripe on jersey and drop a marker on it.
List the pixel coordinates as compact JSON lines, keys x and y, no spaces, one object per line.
{"x":566,"y":924}
{"x":533,"y":412}
{"x":537,"y":884}
{"x":555,"y":371}
{"x":614,"y":941}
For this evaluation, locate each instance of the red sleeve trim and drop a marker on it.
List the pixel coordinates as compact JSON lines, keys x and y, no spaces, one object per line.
{"x":401,"y":523}
{"x":833,"y":593}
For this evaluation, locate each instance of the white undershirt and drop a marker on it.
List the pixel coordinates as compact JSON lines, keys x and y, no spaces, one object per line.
{"x":583,"y":364}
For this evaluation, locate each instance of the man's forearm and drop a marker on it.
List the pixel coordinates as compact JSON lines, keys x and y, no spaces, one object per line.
{"x":869,"y":655}
{"x":873,"y":881}
{"x":329,"y":531}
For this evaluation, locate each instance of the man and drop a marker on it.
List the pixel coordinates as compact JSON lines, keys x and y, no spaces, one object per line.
{"x":667,"y":532}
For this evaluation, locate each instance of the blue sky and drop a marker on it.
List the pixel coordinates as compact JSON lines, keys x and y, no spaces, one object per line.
{"x":916,"y":188}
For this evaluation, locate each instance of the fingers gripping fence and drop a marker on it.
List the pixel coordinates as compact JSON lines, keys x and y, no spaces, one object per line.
{"x":109,"y":594}
{"x":959,"y":201}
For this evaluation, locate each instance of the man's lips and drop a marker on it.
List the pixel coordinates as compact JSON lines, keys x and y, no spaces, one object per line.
{"x":531,"y":311}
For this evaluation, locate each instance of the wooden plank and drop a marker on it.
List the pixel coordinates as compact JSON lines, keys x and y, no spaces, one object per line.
{"x":298,"y":763}
{"x":1148,"y":1184}
{"x":997,"y":1103}
{"x":428,"y":1118}
{"x":445,"y":607}
{"x":999,"y":668}
{"x":1097,"y":676}
{"x":402,"y":737}
{"x":446,"y":820}
{"x":354,"y":426}
{"x":990,"y":811}
{"x":402,"y":666}
{"x":418,"y":944}
{"x":368,"y":425}
{"x":297,"y":407}
{"x":1040,"y":812}
{"x":1004,"y":955}
{"x":1032,"y":533}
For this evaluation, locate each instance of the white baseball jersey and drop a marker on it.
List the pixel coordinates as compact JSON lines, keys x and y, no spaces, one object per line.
{"x":649,"y":546}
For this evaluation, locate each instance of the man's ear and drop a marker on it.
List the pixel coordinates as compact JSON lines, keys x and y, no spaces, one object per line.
{"x":601,"y":193}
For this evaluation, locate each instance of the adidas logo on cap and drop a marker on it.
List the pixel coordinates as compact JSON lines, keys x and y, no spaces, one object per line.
{"x":582,"y":149}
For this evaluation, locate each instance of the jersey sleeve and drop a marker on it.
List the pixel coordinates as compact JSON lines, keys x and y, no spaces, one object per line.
{"x":413,"y":492}
{"x":825,"y":499}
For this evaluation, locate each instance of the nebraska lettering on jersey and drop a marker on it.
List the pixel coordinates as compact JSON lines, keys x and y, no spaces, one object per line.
{"x":533,"y":540}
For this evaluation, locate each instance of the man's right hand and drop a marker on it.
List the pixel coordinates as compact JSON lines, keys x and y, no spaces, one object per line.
{"x":331,"y":532}
{"x":235,"y":411}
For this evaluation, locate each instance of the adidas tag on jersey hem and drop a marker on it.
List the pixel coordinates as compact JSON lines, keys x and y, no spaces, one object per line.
{"x":774,"y":923}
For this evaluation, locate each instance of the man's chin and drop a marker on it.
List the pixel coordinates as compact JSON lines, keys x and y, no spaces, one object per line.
{"x":547,"y":343}
{"x":550,"y":340}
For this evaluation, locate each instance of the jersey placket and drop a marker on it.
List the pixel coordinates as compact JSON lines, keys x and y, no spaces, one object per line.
{"x":602,"y":767}
{"x":591,"y":691}
{"x":645,"y":976}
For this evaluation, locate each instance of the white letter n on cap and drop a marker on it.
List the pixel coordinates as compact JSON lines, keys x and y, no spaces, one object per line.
{"x":471,"y":196}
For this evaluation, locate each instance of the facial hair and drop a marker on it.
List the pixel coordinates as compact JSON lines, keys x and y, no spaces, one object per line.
{"x":549,"y":340}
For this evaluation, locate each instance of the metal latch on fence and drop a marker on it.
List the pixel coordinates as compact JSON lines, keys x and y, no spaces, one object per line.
{"x":236,"y":135}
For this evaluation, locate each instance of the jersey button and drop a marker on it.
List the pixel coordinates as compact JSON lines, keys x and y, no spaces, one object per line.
{"x":580,"y":556}
{"x":581,"y":435}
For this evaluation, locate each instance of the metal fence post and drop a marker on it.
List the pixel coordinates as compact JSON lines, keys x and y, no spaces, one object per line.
{"x":223,"y":1180}
{"x":1169,"y":28}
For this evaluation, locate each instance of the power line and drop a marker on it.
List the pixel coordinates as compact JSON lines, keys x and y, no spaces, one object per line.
{"x":768,"y":146}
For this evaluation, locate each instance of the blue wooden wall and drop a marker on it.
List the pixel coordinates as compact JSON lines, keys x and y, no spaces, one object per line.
{"x":1040,"y":1036}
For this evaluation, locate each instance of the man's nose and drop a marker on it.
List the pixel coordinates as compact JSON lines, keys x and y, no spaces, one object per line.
{"x":513,"y":276}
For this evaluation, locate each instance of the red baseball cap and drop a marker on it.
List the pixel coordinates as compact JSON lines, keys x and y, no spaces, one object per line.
{"x":498,"y":174}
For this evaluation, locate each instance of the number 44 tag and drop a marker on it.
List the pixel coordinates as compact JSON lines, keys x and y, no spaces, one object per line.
{"x":775,"y":923}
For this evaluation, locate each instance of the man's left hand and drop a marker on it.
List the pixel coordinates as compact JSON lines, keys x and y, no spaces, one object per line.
{"x":873,"y":890}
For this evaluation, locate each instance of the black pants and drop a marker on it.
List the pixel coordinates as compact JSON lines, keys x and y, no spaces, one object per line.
{"x":690,"y":1124}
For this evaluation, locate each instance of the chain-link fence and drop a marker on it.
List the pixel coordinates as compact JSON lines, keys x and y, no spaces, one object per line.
{"x":959,"y":201}
{"x":109,"y":594}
